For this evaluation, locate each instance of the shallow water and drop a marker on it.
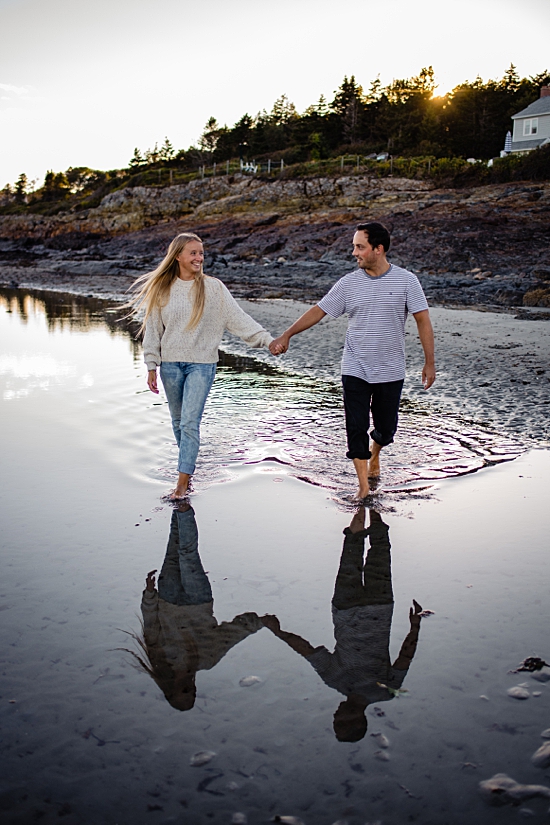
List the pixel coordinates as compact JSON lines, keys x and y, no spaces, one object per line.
{"x":89,"y":738}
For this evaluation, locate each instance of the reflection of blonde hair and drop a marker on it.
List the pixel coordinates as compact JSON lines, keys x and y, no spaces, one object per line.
{"x":178,"y":686}
{"x":152,"y":289}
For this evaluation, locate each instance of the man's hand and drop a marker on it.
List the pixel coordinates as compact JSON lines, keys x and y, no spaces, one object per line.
{"x":150,"y":581}
{"x":279,"y":345}
{"x":414,"y":613}
{"x":152,"y":381}
{"x":428,"y":376}
{"x":272,"y":622}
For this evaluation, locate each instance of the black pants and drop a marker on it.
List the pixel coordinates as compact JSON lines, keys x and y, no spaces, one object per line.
{"x":362,"y":398}
{"x":357,"y":584}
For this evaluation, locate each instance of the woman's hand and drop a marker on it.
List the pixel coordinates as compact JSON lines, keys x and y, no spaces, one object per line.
{"x":152,"y":381}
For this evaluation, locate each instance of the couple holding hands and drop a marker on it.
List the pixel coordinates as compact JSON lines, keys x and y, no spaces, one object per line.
{"x":187,"y":312}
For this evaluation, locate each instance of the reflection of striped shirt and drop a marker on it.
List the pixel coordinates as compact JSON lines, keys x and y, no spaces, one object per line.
{"x":361,"y":658}
{"x":377,"y":308}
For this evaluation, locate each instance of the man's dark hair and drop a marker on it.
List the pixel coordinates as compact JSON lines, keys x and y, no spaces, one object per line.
{"x":377,"y":234}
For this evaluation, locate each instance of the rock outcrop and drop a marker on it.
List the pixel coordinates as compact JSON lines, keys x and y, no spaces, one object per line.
{"x":292,"y":238}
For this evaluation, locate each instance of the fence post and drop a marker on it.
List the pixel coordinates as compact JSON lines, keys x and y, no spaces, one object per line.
{"x":357,"y":162}
{"x":342,"y":163}
{"x":269,"y":166}
{"x":429,"y":165}
{"x":282,"y":164}
{"x":214,"y":170}
{"x":159,"y":175}
{"x":202,"y":171}
{"x":391,"y":165}
{"x":171,"y":177}
{"x":227,"y":167}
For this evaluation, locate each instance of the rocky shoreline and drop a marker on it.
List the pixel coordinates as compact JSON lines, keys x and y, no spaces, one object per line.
{"x":291,"y":239}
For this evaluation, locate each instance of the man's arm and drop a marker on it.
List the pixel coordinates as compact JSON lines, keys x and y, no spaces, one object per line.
{"x":305,"y":321}
{"x":301,"y":646}
{"x":426,"y":335}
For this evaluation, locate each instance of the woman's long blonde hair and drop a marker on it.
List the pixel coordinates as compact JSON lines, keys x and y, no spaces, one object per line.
{"x":153,"y":288}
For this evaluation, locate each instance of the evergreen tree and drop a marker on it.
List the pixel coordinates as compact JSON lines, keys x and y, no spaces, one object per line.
{"x":136,"y":160}
{"x":21,"y":187}
{"x":167,"y":151}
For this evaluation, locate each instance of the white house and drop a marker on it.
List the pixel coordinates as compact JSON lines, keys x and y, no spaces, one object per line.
{"x":532,"y":125}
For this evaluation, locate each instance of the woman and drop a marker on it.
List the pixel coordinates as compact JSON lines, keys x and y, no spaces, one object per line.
{"x":186,"y":314}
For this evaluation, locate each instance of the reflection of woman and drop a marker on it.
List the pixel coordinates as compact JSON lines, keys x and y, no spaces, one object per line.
{"x":180,"y":633}
{"x":362,"y":608}
{"x":186,"y":314}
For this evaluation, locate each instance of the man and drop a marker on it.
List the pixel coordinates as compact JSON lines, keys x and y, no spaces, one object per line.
{"x":360,"y":667}
{"x":377,"y":298}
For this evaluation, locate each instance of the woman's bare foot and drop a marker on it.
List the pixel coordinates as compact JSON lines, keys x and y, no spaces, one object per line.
{"x":374,"y":462}
{"x":181,"y":488}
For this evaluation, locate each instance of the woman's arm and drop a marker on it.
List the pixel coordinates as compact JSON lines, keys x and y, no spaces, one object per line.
{"x":238,"y":322}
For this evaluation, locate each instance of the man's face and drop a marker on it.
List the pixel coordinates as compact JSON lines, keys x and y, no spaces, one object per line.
{"x":363,"y":252}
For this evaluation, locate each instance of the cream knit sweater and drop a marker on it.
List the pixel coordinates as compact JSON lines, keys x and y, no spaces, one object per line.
{"x":168,"y":339}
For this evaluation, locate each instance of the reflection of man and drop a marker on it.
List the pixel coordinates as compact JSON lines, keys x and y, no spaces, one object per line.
{"x":377,"y":298}
{"x":362,"y":609}
{"x":181,"y":635}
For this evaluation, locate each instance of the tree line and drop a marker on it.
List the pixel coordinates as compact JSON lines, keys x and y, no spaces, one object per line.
{"x":405,"y":119}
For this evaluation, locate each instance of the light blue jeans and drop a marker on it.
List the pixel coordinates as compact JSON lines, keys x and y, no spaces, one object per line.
{"x":187,"y":386}
{"x":182,"y":579}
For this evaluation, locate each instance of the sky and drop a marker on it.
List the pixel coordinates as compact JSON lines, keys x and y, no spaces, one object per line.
{"x":83,"y":82}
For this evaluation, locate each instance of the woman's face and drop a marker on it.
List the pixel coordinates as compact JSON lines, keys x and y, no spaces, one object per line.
{"x":190,"y":260}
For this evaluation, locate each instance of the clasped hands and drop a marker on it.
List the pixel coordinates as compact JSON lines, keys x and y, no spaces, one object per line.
{"x":279,"y":345}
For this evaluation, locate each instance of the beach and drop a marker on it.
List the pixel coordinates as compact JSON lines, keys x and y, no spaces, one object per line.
{"x":89,"y":737}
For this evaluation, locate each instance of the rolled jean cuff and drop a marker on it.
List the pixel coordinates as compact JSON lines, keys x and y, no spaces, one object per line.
{"x":361,"y":456}
{"x":379,"y":438}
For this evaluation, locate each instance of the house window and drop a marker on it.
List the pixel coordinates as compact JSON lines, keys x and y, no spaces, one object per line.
{"x":530,"y":127}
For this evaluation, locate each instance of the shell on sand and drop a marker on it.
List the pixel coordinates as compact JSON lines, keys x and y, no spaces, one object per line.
{"x":383,"y":756}
{"x":248,"y":681}
{"x":501,"y":789}
{"x":289,"y":820}
{"x":546,"y":733}
{"x":201,"y":758}
{"x":381,"y":740}
{"x":518,"y":692}
{"x":541,"y":757}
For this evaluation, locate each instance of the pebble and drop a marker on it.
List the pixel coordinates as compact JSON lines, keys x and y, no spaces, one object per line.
{"x":383,"y":756}
{"x":248,"y":681}
{"x":526,"y":812}
{"x":289,"y":820}
{"x":542,"y":675}
{"x":201,"y":758}
{"x":541,"y":757}
{"x":383,"y":741}
{"x":537,"y":693}
{"x":485,"y":698}
{"x":546,"y":733}
{"x":239,"y":818}
{"x":518,"y":692}
{"x":501,"y":789}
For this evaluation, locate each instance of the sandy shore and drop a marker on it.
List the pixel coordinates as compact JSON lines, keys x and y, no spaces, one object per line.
{"x":493,"y":367}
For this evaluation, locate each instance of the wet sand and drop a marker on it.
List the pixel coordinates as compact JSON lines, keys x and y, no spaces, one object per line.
{"x":89,"y":738}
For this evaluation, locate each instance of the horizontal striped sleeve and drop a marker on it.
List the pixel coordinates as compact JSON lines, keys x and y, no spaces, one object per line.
{"x":334,"y":302}
{"x":416,"y":300}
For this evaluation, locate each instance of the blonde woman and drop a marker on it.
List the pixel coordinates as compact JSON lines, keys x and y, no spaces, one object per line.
{"x":186,"y":315}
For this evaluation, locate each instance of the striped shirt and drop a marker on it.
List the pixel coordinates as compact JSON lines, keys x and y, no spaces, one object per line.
{"x":377,"y":308}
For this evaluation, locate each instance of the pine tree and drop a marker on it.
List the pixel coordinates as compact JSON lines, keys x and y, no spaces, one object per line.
{"x":137,"y":159}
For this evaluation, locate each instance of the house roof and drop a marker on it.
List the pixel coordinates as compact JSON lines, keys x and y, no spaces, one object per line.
{"x":525,"y":145}
{"x":539,"y":107}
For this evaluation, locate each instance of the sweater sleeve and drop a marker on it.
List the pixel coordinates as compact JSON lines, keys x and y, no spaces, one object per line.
{"x":241,"y":324}
{"x":154,"y":330}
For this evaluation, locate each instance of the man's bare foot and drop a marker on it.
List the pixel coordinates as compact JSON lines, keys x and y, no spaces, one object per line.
{"x":361,"y":468}
{"x":374,"y":462}
{"x":181,"y":488}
